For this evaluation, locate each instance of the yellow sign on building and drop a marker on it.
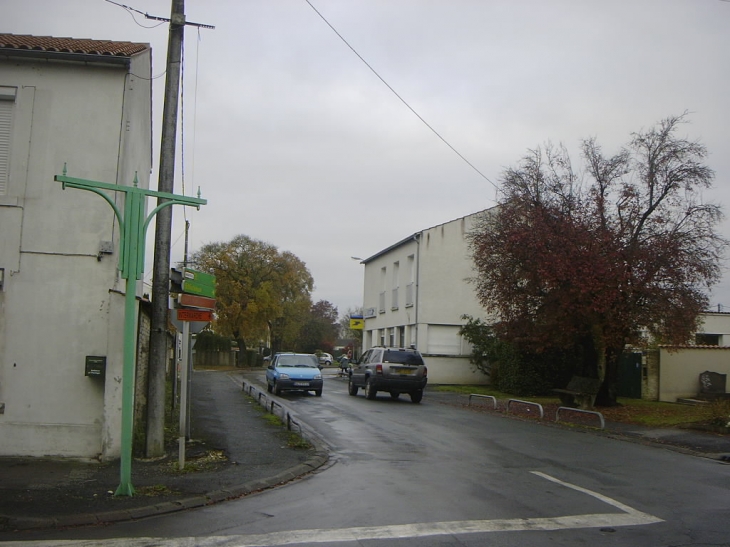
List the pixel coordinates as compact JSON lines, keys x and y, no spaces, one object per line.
{"x":357,"y":324}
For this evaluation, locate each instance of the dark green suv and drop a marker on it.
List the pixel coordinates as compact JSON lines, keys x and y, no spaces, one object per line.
{"x":395,"y":370}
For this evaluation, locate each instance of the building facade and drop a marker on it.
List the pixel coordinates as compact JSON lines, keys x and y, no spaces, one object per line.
{"x":417,"y":290}
{"x":415,"y":294}
{"x":85,"y":104}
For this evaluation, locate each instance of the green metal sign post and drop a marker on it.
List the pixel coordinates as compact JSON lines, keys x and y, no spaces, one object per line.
{"x":133,"y":229}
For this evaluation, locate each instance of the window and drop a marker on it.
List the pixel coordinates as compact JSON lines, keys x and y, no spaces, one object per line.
{"x":373,"y":356}
{"x":396,"y":284}
{"x":410,"y":287}
{"x":444,"y":340}
{"x":7,"y":105}
{"x":702,"y":339}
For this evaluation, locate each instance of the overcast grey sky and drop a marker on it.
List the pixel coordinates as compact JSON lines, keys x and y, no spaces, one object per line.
{"x":294,"y":141}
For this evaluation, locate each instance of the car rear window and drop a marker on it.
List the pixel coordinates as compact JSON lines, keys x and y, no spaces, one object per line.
{"x":402,"y":357}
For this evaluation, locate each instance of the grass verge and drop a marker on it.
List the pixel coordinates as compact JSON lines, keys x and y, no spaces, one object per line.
{"x":293,"y":439}
{"x":632,"y":411}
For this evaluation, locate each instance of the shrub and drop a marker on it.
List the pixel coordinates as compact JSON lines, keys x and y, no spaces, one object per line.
{"x":208,"y":340}
{"x":512,"y":369}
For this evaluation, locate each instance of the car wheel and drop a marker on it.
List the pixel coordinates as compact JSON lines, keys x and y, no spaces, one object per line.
{"x":277,"y":390}
{"x":318,"y":392}
{"x":416,"y":396}
{"x":394,"y":394}
{"x":370,"y":390}
{"x":352,"y":388}
{"x":328,"y":363}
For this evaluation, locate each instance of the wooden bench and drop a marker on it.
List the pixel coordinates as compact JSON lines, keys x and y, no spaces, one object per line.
{"x":580,"y":392}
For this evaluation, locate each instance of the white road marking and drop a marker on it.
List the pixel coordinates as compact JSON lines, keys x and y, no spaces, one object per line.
{"x":629,"y":517}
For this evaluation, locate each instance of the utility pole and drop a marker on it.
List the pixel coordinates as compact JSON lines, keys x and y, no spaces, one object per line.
{"x":163,"y":228}
{"x":161,"y":267}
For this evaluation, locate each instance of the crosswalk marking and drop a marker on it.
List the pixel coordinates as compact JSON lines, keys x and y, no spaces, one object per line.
{"x":627,"y":517}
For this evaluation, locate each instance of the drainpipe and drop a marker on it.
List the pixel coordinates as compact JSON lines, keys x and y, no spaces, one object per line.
{"x":417,"y":302}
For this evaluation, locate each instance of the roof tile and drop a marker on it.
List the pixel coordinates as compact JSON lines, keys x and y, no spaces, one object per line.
{"x":71,"y":45}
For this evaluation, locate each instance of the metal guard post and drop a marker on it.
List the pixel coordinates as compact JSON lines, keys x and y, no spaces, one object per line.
{"x":600,"y":416}
{"x":538,"y":405}
{"x":494,"y":400}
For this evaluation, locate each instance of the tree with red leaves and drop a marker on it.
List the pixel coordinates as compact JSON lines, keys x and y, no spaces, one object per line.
{"x":601,"y":259}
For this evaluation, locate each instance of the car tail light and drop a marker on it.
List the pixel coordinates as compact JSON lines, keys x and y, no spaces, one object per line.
{"x":425,"y":371}
{"x":378,"y":369}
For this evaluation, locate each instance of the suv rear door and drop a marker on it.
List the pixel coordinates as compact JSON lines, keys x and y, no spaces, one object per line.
{"x":399,"y":363}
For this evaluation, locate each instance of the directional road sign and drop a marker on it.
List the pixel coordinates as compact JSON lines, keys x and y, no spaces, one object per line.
{"x":200,"y":283}
{"x":192,"y":314}
{"x":194,"y":301}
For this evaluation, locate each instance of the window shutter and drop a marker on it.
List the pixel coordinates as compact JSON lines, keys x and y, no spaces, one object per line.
{"x":6,"y":118}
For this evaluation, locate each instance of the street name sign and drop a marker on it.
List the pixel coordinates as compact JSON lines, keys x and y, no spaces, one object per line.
{"x":189,"y":314}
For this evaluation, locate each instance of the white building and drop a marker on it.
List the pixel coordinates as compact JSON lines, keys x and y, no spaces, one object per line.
{"x":714,"y":329}
{"x":416,"y":292}
{"x":86,"y":103}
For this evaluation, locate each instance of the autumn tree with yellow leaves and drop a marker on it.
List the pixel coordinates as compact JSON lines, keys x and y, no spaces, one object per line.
{"x":262,"y":293}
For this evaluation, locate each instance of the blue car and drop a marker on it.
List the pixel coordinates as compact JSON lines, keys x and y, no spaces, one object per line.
{"x":294,"y":372}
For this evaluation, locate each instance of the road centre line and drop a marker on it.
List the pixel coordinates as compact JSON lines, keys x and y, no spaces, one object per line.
{"x":629,"y":517}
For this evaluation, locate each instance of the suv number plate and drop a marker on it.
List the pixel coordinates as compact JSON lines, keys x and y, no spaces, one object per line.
{"x":404,"y":370}
{"x":301,"y":384}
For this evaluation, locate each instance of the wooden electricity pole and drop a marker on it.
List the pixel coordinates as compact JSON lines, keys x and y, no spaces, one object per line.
{"x":163,"y":228}
{"x":161,"y":267}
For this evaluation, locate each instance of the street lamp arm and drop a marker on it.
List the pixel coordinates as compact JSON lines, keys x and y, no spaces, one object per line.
{"x":83,"y":185}
{"x":173,"y":200}
{"x":181,"y":200}
{"x":133,"y":227}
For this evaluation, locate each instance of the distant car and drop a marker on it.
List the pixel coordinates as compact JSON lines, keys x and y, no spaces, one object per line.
{"x":325,"y":359}
{"x":294,"y":372}
{"x":395,"y":370}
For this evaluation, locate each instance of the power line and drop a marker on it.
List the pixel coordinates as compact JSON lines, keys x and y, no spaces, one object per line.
{"x":155,"y":18}
{"x":399,"y":97}
{"x":129,"y":10}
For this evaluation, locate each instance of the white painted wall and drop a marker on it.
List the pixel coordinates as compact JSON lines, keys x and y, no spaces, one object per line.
{"x":377,"y":282}
{"x":446,"y":268}
{"x":442,"y":295}
{"x":60,"y":303}
{"x":680,"y":369}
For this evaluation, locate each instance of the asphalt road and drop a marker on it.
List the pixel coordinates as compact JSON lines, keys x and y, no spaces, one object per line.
{"x":437,"y":475}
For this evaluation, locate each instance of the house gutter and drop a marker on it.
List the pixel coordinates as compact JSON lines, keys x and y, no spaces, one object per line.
{"x":84,"y":58}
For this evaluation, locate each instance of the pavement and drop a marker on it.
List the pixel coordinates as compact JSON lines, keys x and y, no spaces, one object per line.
{"x":233,"y":452}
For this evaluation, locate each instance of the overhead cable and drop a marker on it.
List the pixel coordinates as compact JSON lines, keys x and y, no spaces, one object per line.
{"x":401,"y":98}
